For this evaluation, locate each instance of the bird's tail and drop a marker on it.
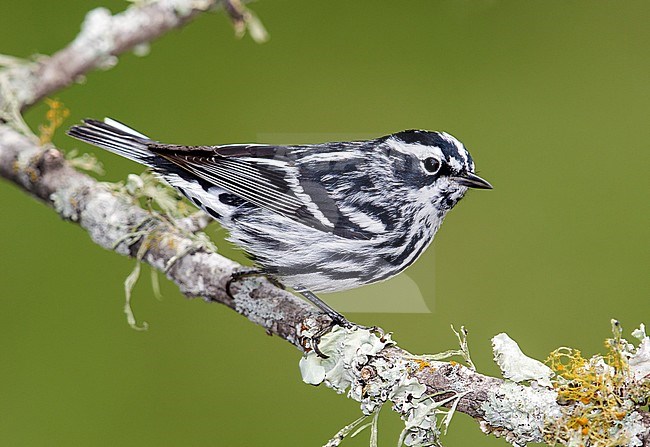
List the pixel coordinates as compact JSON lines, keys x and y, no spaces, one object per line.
{"x":115,"y":137}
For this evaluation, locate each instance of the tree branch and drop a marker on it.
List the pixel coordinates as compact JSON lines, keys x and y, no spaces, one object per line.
{"x":110,"y":219}
{"x":103,"y":36}
{"x":370,"y":367}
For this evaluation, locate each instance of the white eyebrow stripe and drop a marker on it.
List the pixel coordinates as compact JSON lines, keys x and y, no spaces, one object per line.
{"x":419,"y":150}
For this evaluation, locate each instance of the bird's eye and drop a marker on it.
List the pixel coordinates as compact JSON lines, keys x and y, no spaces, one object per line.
{"x":432,"y":164}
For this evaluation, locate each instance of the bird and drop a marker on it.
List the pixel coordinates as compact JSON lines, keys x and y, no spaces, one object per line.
{"x":316,"y":217}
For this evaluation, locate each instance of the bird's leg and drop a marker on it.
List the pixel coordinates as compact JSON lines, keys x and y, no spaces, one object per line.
{"x":336,"y":317}
{"x":249,"y":273}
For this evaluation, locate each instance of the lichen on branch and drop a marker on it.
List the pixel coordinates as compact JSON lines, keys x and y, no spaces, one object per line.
{"x":577,"y":402}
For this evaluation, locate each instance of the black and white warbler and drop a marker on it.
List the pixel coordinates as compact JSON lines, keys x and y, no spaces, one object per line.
{"x":319,"y":218}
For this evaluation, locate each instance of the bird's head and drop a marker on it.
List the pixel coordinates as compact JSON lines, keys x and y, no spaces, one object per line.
{"x":436,"y":164}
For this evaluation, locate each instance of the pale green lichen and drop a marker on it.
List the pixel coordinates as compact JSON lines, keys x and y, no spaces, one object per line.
{"x":15,"y":90}
{"x":348,"y":430}
{"x":142,"y":49}
{"x":153,"y":194}
{"x":85,"y":162}
{"x":129,"y":282}
{"x":243,"y":20}
{"x":248,"y":21}
{"x":639,"y":360}
{"x":357,"y":363}
{"x":462,"y":352}
{"x":163,"y":204}
{"x":347,"y":350}
{"x":515,"y":365}
{"x":421,"y":425}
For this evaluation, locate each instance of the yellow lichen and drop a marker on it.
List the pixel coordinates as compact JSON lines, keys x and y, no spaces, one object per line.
{"x":594,"y":393}
{"x":32,"y":174}
{"x":422,"y":364}
{"x":55,"y":116}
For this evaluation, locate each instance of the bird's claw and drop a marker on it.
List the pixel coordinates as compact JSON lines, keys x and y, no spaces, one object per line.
{"x":344,"y":323}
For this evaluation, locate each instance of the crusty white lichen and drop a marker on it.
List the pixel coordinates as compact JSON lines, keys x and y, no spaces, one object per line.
{"x":630,"y":430}
{"x":100,"y":29}
{"x":521,"y":410}
{"x":64,"y":204}
{"x":262,"y":312}
{"x":515,"y":365}
{"x":96,"y":40}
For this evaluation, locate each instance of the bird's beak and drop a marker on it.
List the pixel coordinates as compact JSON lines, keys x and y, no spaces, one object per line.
{"x":472,"y":180}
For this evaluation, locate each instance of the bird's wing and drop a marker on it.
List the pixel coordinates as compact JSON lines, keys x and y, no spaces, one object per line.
{"x":266,"y":176}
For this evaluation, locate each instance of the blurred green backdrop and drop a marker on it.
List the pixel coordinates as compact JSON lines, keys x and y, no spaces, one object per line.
{"x":552,"y":98}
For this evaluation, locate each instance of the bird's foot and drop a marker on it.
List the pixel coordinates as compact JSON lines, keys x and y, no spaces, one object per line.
{"x":312,"y":341}
{"x":340,"y":320}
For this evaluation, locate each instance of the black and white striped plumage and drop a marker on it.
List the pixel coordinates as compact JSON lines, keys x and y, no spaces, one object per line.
{"x":321,"y":217}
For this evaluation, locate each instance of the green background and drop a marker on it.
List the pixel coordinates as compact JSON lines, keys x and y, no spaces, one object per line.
{"x":552,"y":99}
